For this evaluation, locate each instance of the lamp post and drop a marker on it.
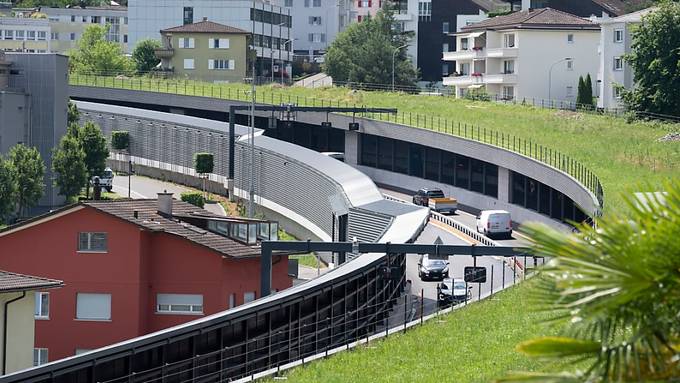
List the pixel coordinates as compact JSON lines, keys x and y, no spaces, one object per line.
{"x":271,"y":50}
{"x":550,"y":76}
{"x":393,"y":56}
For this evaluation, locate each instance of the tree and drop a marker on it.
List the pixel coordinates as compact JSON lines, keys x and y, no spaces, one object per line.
{"x":204,"y":164}
{"x":580,"y":96}
{"x":655,"y":60}
{"x":95,"y":54}
{"x":144,"y":56}
{"x":73,"y":113}
{"x":120,"y":139}
{"x":30,"y":171}
{"x":589,"y":91}
{"x":363,"y":53}
{"x":68,"y":163}
{"x":8,"y":189}
{"x":616,"y":290}
{"x":93,"y":143}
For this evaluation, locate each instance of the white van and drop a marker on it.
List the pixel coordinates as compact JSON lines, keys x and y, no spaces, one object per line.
{"x":494,"y":222}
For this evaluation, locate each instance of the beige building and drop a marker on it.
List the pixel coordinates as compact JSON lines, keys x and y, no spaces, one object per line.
{"x":204,"y":50}
{"x":68,"y":24}
{"x":24,"y":35}
{"x":22,"y":299}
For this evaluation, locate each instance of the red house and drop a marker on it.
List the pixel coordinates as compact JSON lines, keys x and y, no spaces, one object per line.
{"x":132,"y":267}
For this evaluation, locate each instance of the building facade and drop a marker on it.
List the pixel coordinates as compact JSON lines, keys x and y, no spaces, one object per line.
{"x":615,"y":73}
{"x":135,"y":267}
{"x":205,"y":51}
{"x":68,"y":24}
{"x":19,"y":304}
{"x":315,"y":25}
{"x":533,"y":55}
{"x":270,"y":24}
{"x":24,"y":35}
{"x":33,"y":109}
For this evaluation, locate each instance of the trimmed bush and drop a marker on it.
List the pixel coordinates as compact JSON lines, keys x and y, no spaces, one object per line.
{"x":194,"y":198}
{"x":120,"y":139}
{"x":203,"y":163}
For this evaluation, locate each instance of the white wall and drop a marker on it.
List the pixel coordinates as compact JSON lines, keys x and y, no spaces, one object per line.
{"x":329,"y":12}
{"x":608,"y":76}
{"x":20,"y":330}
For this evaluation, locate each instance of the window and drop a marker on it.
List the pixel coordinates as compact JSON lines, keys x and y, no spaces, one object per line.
{"x":618,"y":63}
{"x":39,"y":356}
{"x":219,"y":44}
{"x":9,"y":35}
{"x":464,"y":69}
{"x":618,"y":35}
{"x":19,"y":35}
{"x":477,"y":173}
{"x":509,"y":40}
{"x":96,"y":20}
{"x":93,"y":306}
{"x":288,"y":3}
{"x":84,"y":19}
{"x":187,"y":43}
{"x":30,"y":35}
{"x":248,"y":296}
{"x":463,"y":172}
{"x":188,"y":63}
{"x":125,"y":39}
{"x":179,"y":303}
{"x":508,"y":66}
{"x":306,"y":3}
{"x":232,"y":301}
{"x":445,"y":47}
{"x":570,"y":38}
{"x":616,"y":92}
{"x":73,"y":18}
{"x":445,"y":27}
{"x":464,"y":44}
{"x":220,"y":64}
{"x":316,"y":3}
{"x":54,"y":36}
{"x":42,"y":35}
{"x":314,"y":20}
{"x":92,"y":242}
{"x":508,"y":92}
{"x":188,"y":15}
{"x":424,"y":10}
{"x":570,"y":91}
{"x":73,"y":36}
{"x":42,"y":305}
{"x":570,"y":64}
{"x":445,"y":69}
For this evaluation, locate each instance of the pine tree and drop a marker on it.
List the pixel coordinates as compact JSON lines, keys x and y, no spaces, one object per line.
{"x":588,"y":91}
{"x":580,"y":96}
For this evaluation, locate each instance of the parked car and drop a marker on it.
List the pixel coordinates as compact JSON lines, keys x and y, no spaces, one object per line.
{"x":432,"y":269}
{"x":105,"y":180}
{"x":494,"y":222}
{"x":337,"y":155}
{"x":453,"y":291}
{"x":434,"y":199}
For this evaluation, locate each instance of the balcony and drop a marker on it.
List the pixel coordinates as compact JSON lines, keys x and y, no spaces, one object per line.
{"x":470,"y":54}
{"x":500,"y":78}
{"x":463,"y":80}
{"x":164,"y":53}
{"x":501,"y":52}
{"x":403,"y":16}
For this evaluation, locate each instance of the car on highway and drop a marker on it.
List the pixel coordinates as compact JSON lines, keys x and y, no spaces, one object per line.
{"x":494,"y":223}
{"x":435,"y":199}
{"x":452,"y":291}
{"x":432,"y":269}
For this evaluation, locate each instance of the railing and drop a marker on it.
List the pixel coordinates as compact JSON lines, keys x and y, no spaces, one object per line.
{"x":526,"y":147}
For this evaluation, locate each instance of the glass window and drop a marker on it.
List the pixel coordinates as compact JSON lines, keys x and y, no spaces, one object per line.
{"x":618,"y":63}
{"x":579,"y":215}
{"x":508,"y":66}
{"x":369,"y":150}
{"x":463,"y":172}
{"x":543,"y":199}
{"x":517,"y":190}
{"x":179,"y":303}
{"x":20,"y":35}
{"x":509,"y":40}
{"x":477,"y":183}
{"x":448,"y":168}
{"x":432,"y":160}
{"x":232,"y":301}
{"x":568,"y":209}
{"x":618,"y":35}
{"x":93,"y":306}
{"x":188,"y":15}
{"x":92,"y":242}
{"x":401,"y":150}
{"x":248,"y":296}
{"x":42,"y":35}
{"x":42,"y":305}
{"x":570,"y":38}
{"x":416,"y":160}
{"x":445,"y":47}
{"x":445,"y":27}
{"x":39,"y":356}
{"x":385,"y":156}
{"x":570,"y":64}
{"x":532,"y":194}
{"x":491,"y":180}
{"x":464,"y":44}
{"x":556,"y":208}
{"x":188,"y":63}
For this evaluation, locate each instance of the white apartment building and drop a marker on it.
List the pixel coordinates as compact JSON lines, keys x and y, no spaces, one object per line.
{"x":68,"y":24}
{"x":315,"y":24}
{"x":24,"y":35}
{"x":533,"y":54}
{"x":615,"y":42}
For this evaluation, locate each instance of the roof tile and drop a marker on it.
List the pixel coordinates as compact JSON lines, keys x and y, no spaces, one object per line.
{"x":205,"y":26}
{"x":11,"y":282}
{"x":533,"y":18}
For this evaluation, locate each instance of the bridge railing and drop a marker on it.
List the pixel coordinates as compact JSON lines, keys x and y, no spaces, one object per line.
{"x":241,"y":92}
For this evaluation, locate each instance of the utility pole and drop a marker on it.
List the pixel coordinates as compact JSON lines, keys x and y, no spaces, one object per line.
{"x":251,"y":202}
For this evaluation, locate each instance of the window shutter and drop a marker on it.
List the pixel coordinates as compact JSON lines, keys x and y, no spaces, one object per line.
{"x":370,"y":3}
{"x":231,"y":64}
{"x":224,"y":43}
{"x":93,"y":306}
{"x":359,"y":3}
{"x":180,"y":42}
{"x":211,"y":64}
{"x":191,"y":42}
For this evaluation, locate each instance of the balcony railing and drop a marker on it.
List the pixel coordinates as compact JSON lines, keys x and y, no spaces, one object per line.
{"x":501,"y":52}
{"x":164,"y":53}
{"x":474,"y":53}
{"x":500,"y":78}
{"x":466,"y":79}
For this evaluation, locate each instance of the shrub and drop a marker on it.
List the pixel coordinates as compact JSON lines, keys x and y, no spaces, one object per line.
{"x":194,"y":198}
{"x":477,"y":95}
{"x":203,"y":163}
{"x":120,"y":139}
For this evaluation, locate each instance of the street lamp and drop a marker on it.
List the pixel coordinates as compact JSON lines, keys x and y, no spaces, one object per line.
{"x":393,"y":55}
{"x":550,"y":75}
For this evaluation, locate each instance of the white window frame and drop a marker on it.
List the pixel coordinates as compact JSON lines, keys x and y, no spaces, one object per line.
{"x":218,"y":43}
{"x":38,"y":312}
{"x":9,"y":34}
{"x":31,"y":35}
{"x":570,"y":38}
{"x":570,"y":64}
{"x":616,"y":92}
{"x":89,"y":248}
{"x":186,"y":43}
{"x":189,"y":64}
{"x":506,"y":95}
{"x":185,"y":304}
{"x":616,"y":33}
{"x":506,"y":64}
{"x":506,"y":40}
{"x":20,"y":34}
{"x":42,"y":36}
{"x":41,"y":357}
{"x":99,"y":318}
{"x":445,"y":69}
{"x":619,"y":60}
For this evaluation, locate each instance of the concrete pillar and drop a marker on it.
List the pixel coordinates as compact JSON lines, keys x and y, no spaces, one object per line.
{"x":352,"y":147}
{"x":503,"y":184}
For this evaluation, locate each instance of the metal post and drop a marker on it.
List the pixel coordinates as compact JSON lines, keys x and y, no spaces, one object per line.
{"x":232,"y":155}
{"x":266,"y":269}
{"x":129,"y":177}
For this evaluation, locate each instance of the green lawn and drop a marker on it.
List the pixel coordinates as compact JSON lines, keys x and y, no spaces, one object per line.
{"x":309,"y":260}
{"x":473,"y":344}
{"x":626,"y":157}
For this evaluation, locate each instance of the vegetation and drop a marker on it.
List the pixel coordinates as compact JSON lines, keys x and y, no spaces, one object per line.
{"x":9,"y":190}
{"x":68,"y":163}
{"x":617,"y":290}
{"x":120,"y":139}
{"x":93,"y":143}
{"x":30,"y":171}
{"x":584,"y":98}
{"x":309,"y":260}
{"x":363,"y":51}
{"x":194,"y":198}
{"x":654,"y":57}
{"x":203,"y":163}
{"x":73,"y":115}
{"x":143,"y":55}
{"x":95,"y":54}
{"x":59,"y":3}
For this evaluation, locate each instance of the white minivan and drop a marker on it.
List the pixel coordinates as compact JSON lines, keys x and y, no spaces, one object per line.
{"x":494,"y":222}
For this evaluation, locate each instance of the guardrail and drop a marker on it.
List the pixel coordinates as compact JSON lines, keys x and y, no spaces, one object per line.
{"x":240,"y":92}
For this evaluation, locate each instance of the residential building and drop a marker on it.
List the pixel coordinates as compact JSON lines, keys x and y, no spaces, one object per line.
{"x":534,"y":55}
{"x":132,"y":267}
{"x":315,"y":25}
{"x":615,"y":43}
{"x":68,"y":24}
{"x":33,"y":109}
{"x":205,"y":50}
{"x":24,"y":35}
{"x":270,"y":24}
{"x":583,"y":8}
{"x":23,"y":298}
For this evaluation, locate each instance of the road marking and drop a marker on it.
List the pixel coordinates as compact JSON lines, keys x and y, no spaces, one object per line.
{"x":454,"y":231}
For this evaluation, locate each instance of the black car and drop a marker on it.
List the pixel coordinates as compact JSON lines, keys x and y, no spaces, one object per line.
{"x":422,"y":197}
{"x":432,"y":269}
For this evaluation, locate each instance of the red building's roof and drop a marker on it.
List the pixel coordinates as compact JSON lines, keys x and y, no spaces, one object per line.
{"x":13,"y":282}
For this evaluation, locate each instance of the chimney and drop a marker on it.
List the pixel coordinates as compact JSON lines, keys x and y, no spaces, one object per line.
{"x":205,"y":18}
{"x":165,"y":203}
